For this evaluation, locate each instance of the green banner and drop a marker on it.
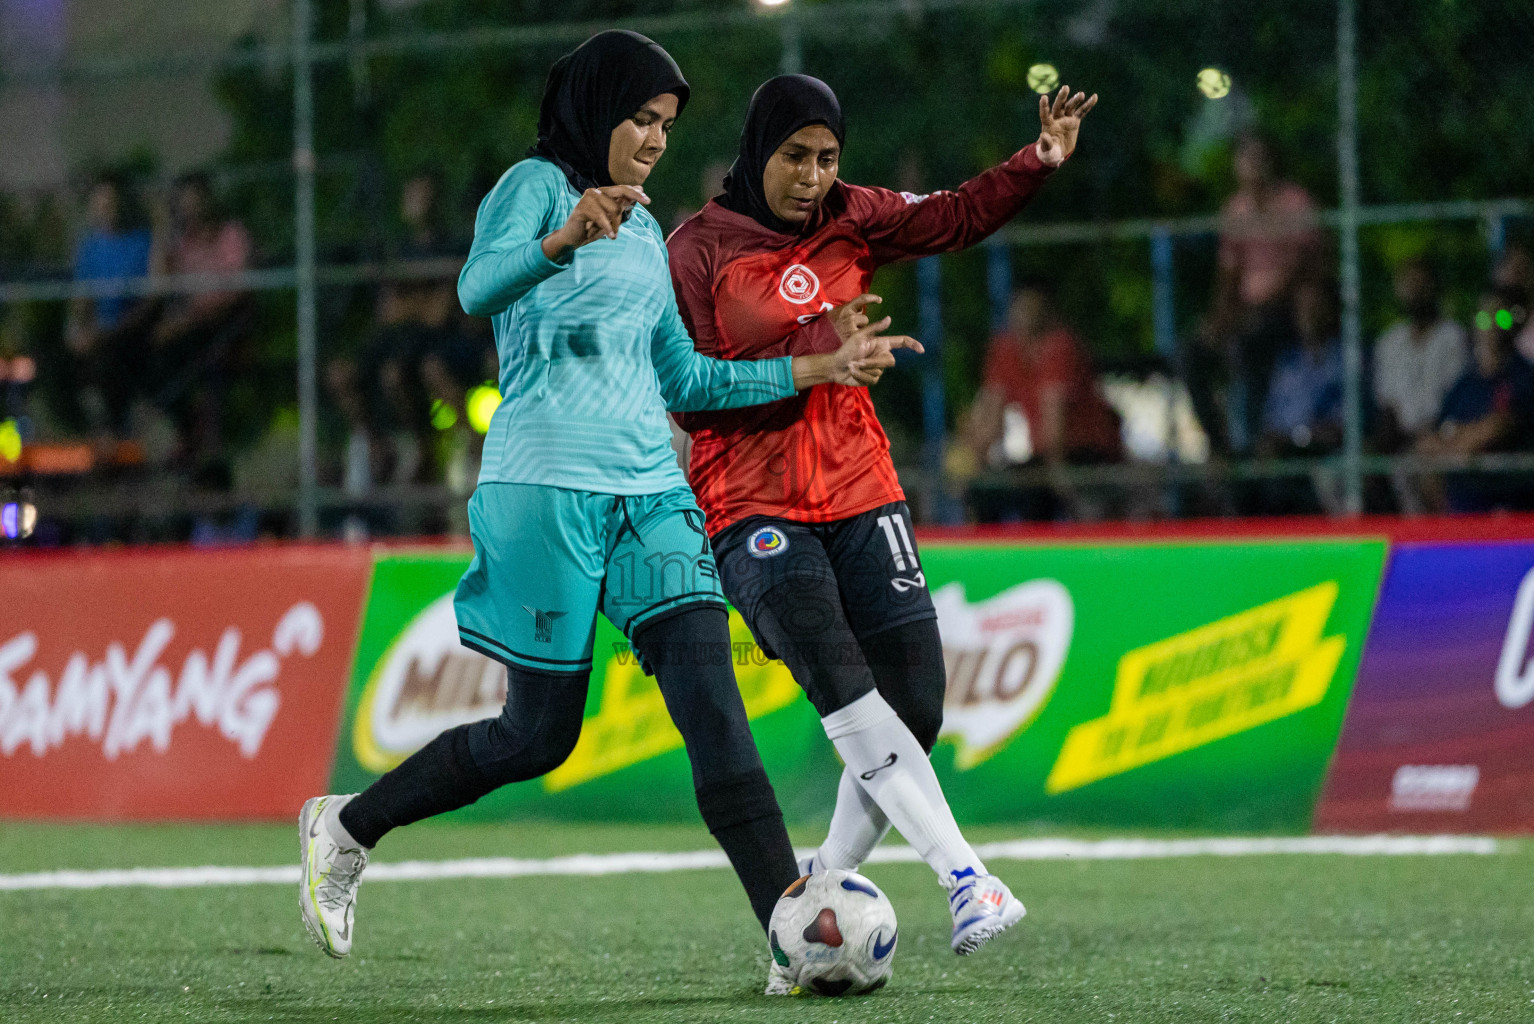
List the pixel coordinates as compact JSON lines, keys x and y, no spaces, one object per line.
{"x":1194,"y":684}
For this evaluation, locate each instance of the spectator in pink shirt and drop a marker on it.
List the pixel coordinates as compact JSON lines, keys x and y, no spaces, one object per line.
{"x":1269,"y":242}
{"x":195,"y":339}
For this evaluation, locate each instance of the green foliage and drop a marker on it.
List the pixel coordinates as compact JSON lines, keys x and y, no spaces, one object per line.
{"x":1446,"y":91}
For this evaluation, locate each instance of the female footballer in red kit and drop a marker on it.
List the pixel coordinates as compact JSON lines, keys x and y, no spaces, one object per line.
{"x":804,"y":509}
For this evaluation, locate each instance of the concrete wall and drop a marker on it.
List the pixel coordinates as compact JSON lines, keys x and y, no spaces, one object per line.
{"x":50,"y":130}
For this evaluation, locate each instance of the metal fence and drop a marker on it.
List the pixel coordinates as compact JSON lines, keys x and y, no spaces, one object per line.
{"x":330,"y":55}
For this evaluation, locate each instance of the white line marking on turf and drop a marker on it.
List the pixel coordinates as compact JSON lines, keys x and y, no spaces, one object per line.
{"x":634,"y":863}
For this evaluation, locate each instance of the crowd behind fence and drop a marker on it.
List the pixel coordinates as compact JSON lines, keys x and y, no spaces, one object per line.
{"x":158,"y":386}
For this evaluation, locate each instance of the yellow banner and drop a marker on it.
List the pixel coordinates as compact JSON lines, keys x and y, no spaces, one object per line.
{"x":1211,"y":682}
{"x":632,"y":725}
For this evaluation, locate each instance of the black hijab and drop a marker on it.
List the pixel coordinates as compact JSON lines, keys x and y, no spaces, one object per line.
{"x":780,"y":107}
{"x":590,"y":91}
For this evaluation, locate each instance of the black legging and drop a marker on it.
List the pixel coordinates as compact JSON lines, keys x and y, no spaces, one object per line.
{"x":689,"y":652}
{"x":803,"y":623}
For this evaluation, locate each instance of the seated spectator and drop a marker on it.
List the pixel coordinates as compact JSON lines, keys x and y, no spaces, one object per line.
{"x":1489,"y":409}
{"x":1515,"y":270}
{"x":116,"y":243}
{"x":1302,"y":413}
{"x":193,"y":341}
{"x":1039,"y":403}
{"x":1416,"y":360}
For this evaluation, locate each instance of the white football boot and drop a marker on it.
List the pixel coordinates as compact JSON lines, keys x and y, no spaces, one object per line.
{"x":327,"y":887}
{"x":779,"y":981}
{"x":982,"y":906}
{"x":807,"y":864}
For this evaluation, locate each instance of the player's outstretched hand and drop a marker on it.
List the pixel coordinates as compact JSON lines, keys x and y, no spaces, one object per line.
{"x":852,"y":316}
{"x":598,"y":214}
{"x":1060,"y":123}
{"x":866,"y":354}
{"x":861,"y":360}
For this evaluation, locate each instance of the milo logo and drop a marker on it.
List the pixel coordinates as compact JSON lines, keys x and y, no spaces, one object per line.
{"x":1003,"y":656}
{"x":424,"y":683}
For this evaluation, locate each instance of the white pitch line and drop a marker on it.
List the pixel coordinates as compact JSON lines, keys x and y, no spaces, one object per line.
{"x":636,"y":863}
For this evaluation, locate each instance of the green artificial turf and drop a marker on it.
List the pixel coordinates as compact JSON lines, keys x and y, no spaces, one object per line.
{"x":1271,"y":938}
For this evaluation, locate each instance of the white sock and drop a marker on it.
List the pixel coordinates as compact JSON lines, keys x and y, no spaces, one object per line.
{"x":331,"y":816}
{"x":857,"y":826}
{"x":892,"y":768}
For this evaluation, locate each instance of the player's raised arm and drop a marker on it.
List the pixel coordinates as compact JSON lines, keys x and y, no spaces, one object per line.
{"x":1060,"y":123}
{"x":598,"y":214}
{"x":900,"y":226}
{"x":507,"y":259}
{"x":514,"y":250}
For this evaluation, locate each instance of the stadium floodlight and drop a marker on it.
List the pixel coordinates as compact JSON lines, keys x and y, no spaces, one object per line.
{"x":1214,"y":83}
{"x":773,"y":3}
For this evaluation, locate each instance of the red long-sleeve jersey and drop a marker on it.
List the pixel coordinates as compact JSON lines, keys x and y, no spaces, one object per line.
{"x":746,"y":292}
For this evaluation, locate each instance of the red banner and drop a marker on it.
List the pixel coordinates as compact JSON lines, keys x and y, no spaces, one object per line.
{"x":174,"y":683}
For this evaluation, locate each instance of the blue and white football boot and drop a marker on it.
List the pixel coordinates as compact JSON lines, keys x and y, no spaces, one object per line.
{"x":331,"y":869}
{"x":982,"y":907}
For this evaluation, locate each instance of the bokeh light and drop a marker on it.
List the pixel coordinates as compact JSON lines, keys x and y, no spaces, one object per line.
{"x":1214,"y":83}
{"x":1505,"y":319}
{"x":480,"y":406}
{"x":10,"y":441}
{"x":18,"y":519}
{"x":443,"y":416}
{"x":1043,"y":78}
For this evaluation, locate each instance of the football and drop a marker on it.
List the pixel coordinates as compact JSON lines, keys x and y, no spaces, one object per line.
{"x":834,"y":932}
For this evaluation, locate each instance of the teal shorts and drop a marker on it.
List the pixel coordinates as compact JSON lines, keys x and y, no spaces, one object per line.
{"x":547,"y":559}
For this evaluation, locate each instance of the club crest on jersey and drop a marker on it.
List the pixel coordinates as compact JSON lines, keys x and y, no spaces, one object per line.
{"x":799,"y":284}
{"x":767,"y":542}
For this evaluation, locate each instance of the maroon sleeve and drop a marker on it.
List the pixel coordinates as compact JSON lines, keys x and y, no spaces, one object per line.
{"x":899,"y":225}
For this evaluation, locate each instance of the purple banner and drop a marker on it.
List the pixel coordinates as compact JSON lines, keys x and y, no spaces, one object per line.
{"x":1440,"y":732}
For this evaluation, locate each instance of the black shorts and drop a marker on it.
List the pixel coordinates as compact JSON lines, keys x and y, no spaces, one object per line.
{"x":871,"y":558}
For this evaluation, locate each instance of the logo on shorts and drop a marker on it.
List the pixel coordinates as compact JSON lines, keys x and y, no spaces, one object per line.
{"x":799,"y":284}
{"x":543,"y":624}
{"x":766,"y":542}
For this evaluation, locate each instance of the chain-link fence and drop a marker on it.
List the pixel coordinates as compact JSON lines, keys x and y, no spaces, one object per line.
{"x":1286,"y":271}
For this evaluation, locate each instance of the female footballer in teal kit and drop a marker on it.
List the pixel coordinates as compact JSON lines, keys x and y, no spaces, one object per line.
{"x":580,"y":505}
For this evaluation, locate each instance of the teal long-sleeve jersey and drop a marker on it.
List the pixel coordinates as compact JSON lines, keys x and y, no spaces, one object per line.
{"x":592,"y":351}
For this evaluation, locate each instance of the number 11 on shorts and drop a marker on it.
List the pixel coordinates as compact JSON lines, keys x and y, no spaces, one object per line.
{"x":903,"y":551}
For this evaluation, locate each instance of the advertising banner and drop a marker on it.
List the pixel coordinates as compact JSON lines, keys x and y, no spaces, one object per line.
{"x":174,"y":683}
{"x":1198,"y":684}
{"x":412,"y":679}
{"x":1440,"y":734}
